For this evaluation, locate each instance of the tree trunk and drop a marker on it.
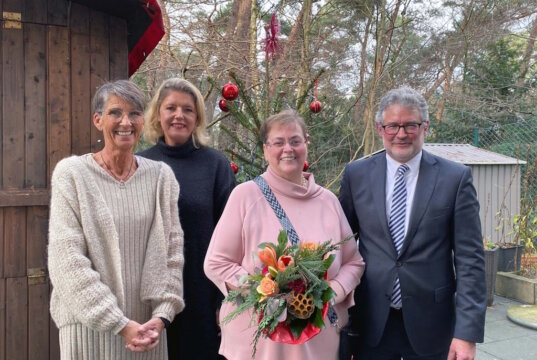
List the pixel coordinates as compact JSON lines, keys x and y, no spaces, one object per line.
{"x":304,"y":76}
{"x":384,"y":39}
{"x":253,"y":53}
{"x":237,"y":54}
{"x":363,"y":69}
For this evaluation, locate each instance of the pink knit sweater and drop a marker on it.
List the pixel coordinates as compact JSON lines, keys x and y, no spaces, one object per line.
{"x":248,"y":221}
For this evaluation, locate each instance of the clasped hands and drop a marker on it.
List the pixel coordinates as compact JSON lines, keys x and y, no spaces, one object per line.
{"x":142,"y":337}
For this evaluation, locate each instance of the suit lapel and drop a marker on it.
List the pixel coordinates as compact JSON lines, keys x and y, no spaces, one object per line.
{"x":377,"y":179}
{"x":422,"y":195}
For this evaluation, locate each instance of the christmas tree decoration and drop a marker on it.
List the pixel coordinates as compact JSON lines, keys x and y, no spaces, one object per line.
{"x":244,"y":114}
{"x":234,"y":167}
{"x":230,"y":91}
{"x":306,"y":166}
{"x":222,"y":105}
{"x":315,"y":105}
{"x":271,"y":42}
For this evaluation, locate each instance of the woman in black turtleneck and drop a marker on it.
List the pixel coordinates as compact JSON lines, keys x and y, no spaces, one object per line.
{"x":176,"y":124}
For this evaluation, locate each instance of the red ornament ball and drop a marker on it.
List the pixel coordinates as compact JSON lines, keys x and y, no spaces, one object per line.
{"x":230,"y":91}
{"x":222,"y":105}
{"x":306,"y":166}
{"x":316,"y":106}
{"x":234,"y":167}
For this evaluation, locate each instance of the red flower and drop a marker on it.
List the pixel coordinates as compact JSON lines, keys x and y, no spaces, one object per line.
{"x":297,"y":285}
{"x":285,"y":261}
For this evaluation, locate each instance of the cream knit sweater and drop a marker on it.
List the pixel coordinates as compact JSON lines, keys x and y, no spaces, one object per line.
{"x":115,"y":254}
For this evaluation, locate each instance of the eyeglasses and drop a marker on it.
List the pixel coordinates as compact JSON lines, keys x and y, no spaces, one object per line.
{"x":393,"y":129}
{"x":280,"y":143}
{"x":117,"y":115}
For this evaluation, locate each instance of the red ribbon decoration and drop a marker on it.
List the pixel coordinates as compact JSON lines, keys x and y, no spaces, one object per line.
{"x":282,"y":333}
{"x":272,"y":43}
{"x":150,"y":38}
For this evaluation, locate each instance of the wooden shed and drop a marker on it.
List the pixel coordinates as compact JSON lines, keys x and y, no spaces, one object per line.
{"x":54,"y":53}
{"x":497,"y":182}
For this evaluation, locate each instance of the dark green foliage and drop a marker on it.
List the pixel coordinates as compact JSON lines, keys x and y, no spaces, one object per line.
{"x":495,"y":71}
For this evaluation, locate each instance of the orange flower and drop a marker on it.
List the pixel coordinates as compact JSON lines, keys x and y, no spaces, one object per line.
{"x":267,"y":287}
{"x":285,"y":261}
{"x":268,"y":256}
{"x":309,"y":246}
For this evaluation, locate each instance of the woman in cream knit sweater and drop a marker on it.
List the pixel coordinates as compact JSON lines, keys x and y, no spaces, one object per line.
{"x":115,"y":251}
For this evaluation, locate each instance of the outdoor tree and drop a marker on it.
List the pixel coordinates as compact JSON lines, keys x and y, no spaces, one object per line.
{"x":474,"y":61}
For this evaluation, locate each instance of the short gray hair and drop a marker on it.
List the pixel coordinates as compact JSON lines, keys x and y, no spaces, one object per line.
{"x":406,"y":97}
{"x":125,"y":89}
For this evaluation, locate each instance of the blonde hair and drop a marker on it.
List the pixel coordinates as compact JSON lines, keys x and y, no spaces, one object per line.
{"x":153,"y":130}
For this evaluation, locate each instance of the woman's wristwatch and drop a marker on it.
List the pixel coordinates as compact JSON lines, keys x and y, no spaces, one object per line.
{"x":166,"y":322}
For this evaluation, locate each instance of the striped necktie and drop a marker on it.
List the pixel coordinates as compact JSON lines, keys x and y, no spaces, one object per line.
{"x":397,"y":224}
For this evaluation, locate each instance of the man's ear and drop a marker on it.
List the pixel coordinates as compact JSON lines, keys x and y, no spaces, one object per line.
{"x":379,"y":128}
{"x":426,"y":126}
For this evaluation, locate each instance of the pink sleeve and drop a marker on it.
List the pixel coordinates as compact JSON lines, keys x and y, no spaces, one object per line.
{"x":226,"y":250}
{"x":352,"y":264}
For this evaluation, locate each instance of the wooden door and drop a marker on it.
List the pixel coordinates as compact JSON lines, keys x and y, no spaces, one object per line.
{"x":54,"y":55}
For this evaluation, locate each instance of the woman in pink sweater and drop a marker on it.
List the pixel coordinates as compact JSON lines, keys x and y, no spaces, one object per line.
{"x":248,"y":220}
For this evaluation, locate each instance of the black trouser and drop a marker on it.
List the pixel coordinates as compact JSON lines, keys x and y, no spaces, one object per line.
{"x":394,"y":344}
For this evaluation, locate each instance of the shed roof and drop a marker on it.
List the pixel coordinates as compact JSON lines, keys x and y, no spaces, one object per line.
{"x":470,"y":155}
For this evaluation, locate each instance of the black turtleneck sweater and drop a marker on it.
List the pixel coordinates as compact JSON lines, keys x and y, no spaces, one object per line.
{"x":206,"y":180}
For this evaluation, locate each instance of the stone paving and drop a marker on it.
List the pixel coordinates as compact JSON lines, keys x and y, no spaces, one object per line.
{"x":505,"y":340}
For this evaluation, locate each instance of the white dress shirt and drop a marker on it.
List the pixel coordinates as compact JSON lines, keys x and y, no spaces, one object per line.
{"x":411,"y":179}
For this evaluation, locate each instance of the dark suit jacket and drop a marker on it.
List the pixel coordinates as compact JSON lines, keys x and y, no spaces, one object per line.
{"x":441,"y":265}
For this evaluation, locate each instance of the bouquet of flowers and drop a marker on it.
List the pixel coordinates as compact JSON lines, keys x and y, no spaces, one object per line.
{"x":290,"y":294}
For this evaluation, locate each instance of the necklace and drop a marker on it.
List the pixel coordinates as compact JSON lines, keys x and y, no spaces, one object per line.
{"x":304,"y":181}
{"x":109,"y":169}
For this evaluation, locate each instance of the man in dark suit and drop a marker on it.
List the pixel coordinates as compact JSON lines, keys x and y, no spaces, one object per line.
{"x":423,"y":294}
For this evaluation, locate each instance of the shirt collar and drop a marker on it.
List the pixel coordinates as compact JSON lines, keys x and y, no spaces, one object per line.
{"x":413,"y":164}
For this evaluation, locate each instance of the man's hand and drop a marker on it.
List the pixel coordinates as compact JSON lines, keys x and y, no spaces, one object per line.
{"x":461,"y":350}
